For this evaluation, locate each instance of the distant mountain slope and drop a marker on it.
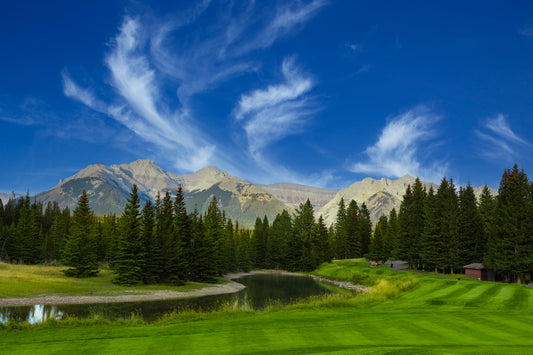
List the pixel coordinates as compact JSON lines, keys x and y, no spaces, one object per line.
{"x":108,"y":189}
{"x":293,"y":194}
{"x":380,"y":196}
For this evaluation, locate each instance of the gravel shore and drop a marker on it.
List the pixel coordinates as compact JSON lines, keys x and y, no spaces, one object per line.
{"x":230,"y":287}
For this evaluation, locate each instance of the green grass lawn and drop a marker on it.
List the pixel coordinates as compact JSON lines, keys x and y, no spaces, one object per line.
{"x":39,"y":280}
{"x":402,"y":314}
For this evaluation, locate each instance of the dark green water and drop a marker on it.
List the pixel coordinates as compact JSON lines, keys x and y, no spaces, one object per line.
{"x":260,"y":291}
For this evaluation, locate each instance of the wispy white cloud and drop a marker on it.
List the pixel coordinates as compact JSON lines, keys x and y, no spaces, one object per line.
{"x":498,"y":140}
{"x":148,"y":54}
{"x":526,"y":31}
{"x":275,"y":112}
{"x":397,"y":150}
{"x":355,"y":47}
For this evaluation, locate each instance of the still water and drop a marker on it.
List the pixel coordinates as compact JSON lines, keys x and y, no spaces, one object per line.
{"x":261,"y":290}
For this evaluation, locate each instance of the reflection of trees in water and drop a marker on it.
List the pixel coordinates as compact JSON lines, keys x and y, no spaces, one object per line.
{"x":32,"y":314}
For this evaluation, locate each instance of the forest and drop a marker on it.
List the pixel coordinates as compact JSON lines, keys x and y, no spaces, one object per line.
{"x":162,"y":242}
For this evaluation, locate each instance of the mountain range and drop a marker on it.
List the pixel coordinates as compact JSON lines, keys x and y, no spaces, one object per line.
{"x":108,"y":189}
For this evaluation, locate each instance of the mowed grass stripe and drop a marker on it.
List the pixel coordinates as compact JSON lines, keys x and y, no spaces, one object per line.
{"x":503,"y":325}
{"x":519,"y":299}
{"x":486,"y":297}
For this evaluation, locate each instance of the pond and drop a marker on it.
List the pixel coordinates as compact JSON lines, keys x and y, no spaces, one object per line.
{"x":260,"y":291}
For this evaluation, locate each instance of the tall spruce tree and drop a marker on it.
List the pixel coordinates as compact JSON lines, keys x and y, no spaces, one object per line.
{"x":510,"y":246}
{"x":80,"y":251}
{"x":470,"y":228}
{"x":377,"y":250}
{"x":180,"y":239}
{"x":152,"y":266}
{"x":280,"y":234}
{"x":433,"y":251}
{"x":487,"y":208}
{"x":365,"y":229}
{"x":341,"y":243}
{"x":303,"y":250}
{"x":352,"y":230}
{"x":130,"y":258}
{"x":213,"y":231}
{"x":411,"y":218}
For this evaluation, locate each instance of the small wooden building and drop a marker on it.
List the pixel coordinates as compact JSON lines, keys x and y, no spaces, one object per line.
{"x":476,"y":271}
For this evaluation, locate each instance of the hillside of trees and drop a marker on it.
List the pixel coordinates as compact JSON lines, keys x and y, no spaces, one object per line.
{"x":161,"y":241}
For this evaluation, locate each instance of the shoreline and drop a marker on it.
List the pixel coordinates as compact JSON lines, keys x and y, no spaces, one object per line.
{"x":230,"y":287}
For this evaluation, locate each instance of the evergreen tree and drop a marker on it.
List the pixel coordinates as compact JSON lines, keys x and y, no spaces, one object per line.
{"x":229,"y":262}
{"x":131,"y":256}
{"x":152,"y":266}
{"x":165,"y":235}
{"x":280,"y":234}
{"x":470,"y":228}
{"x":393,"y":234}
{"x":487,"y":207}
{"x":302,"y":251}
{"x":448,"y":207}
{"x":80,"y":248}
{"x":365,"y":228}
{"x":259,"y":244}
{"x":180,"y":240}
{"x":26,"y":245}
{"x":213,"y":230}
{"x":432,"y":246}
{"x":377,"y":250}
{"x":56,"y":236}
{"x":411,"y":220}
{"x":352,"y":230}
{"x":510,"y":246}
{"x":341,"y":238}
{"x":322,"y":242}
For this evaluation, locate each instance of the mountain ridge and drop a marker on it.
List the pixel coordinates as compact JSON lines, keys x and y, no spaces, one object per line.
{"x":108,"y":189}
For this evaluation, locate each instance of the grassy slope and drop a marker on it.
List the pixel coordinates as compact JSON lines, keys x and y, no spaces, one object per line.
{"x":38,"y":280}
{"x":432,"y":314}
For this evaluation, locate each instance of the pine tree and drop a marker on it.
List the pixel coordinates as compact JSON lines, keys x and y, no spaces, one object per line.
{"x":341,"y":243}
{"x":180,"y":239}
{"x":213,"y":230}
{"x":411,"y":219}
{"x":487,"y":207}
{"x":365,"y":229}
{"x":131,"y":256}
{"x":377,"y":250}
{"x":322,"y":242}
{"x":152,"y":266}
{"x":280,"y":234}
{"x":432,"y":247}
{"x":302,"y":252}
{"x":393,"y":234}
{"x":259,"y":244}
{"x":80,"y":249}
{"x":510,"y":246}
{"x":352,"y":230}
{"x":165,"y":235}
{"x":470,"y":228}
{"x":448,"y":207}
{"x":27,"y":244}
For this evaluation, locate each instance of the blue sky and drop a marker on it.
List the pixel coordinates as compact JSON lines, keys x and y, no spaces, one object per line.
{"x":319,"y":92}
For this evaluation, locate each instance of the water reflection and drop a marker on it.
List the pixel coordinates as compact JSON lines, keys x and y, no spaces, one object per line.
{"x":261,"y":290}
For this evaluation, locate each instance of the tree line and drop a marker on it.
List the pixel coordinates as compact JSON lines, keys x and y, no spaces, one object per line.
{"x":447,"y":229}
{"x":440,"y":230}
{"x":159,"y":243}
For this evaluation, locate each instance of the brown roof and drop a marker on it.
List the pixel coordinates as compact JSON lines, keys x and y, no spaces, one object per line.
{"x":475,"y":266}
